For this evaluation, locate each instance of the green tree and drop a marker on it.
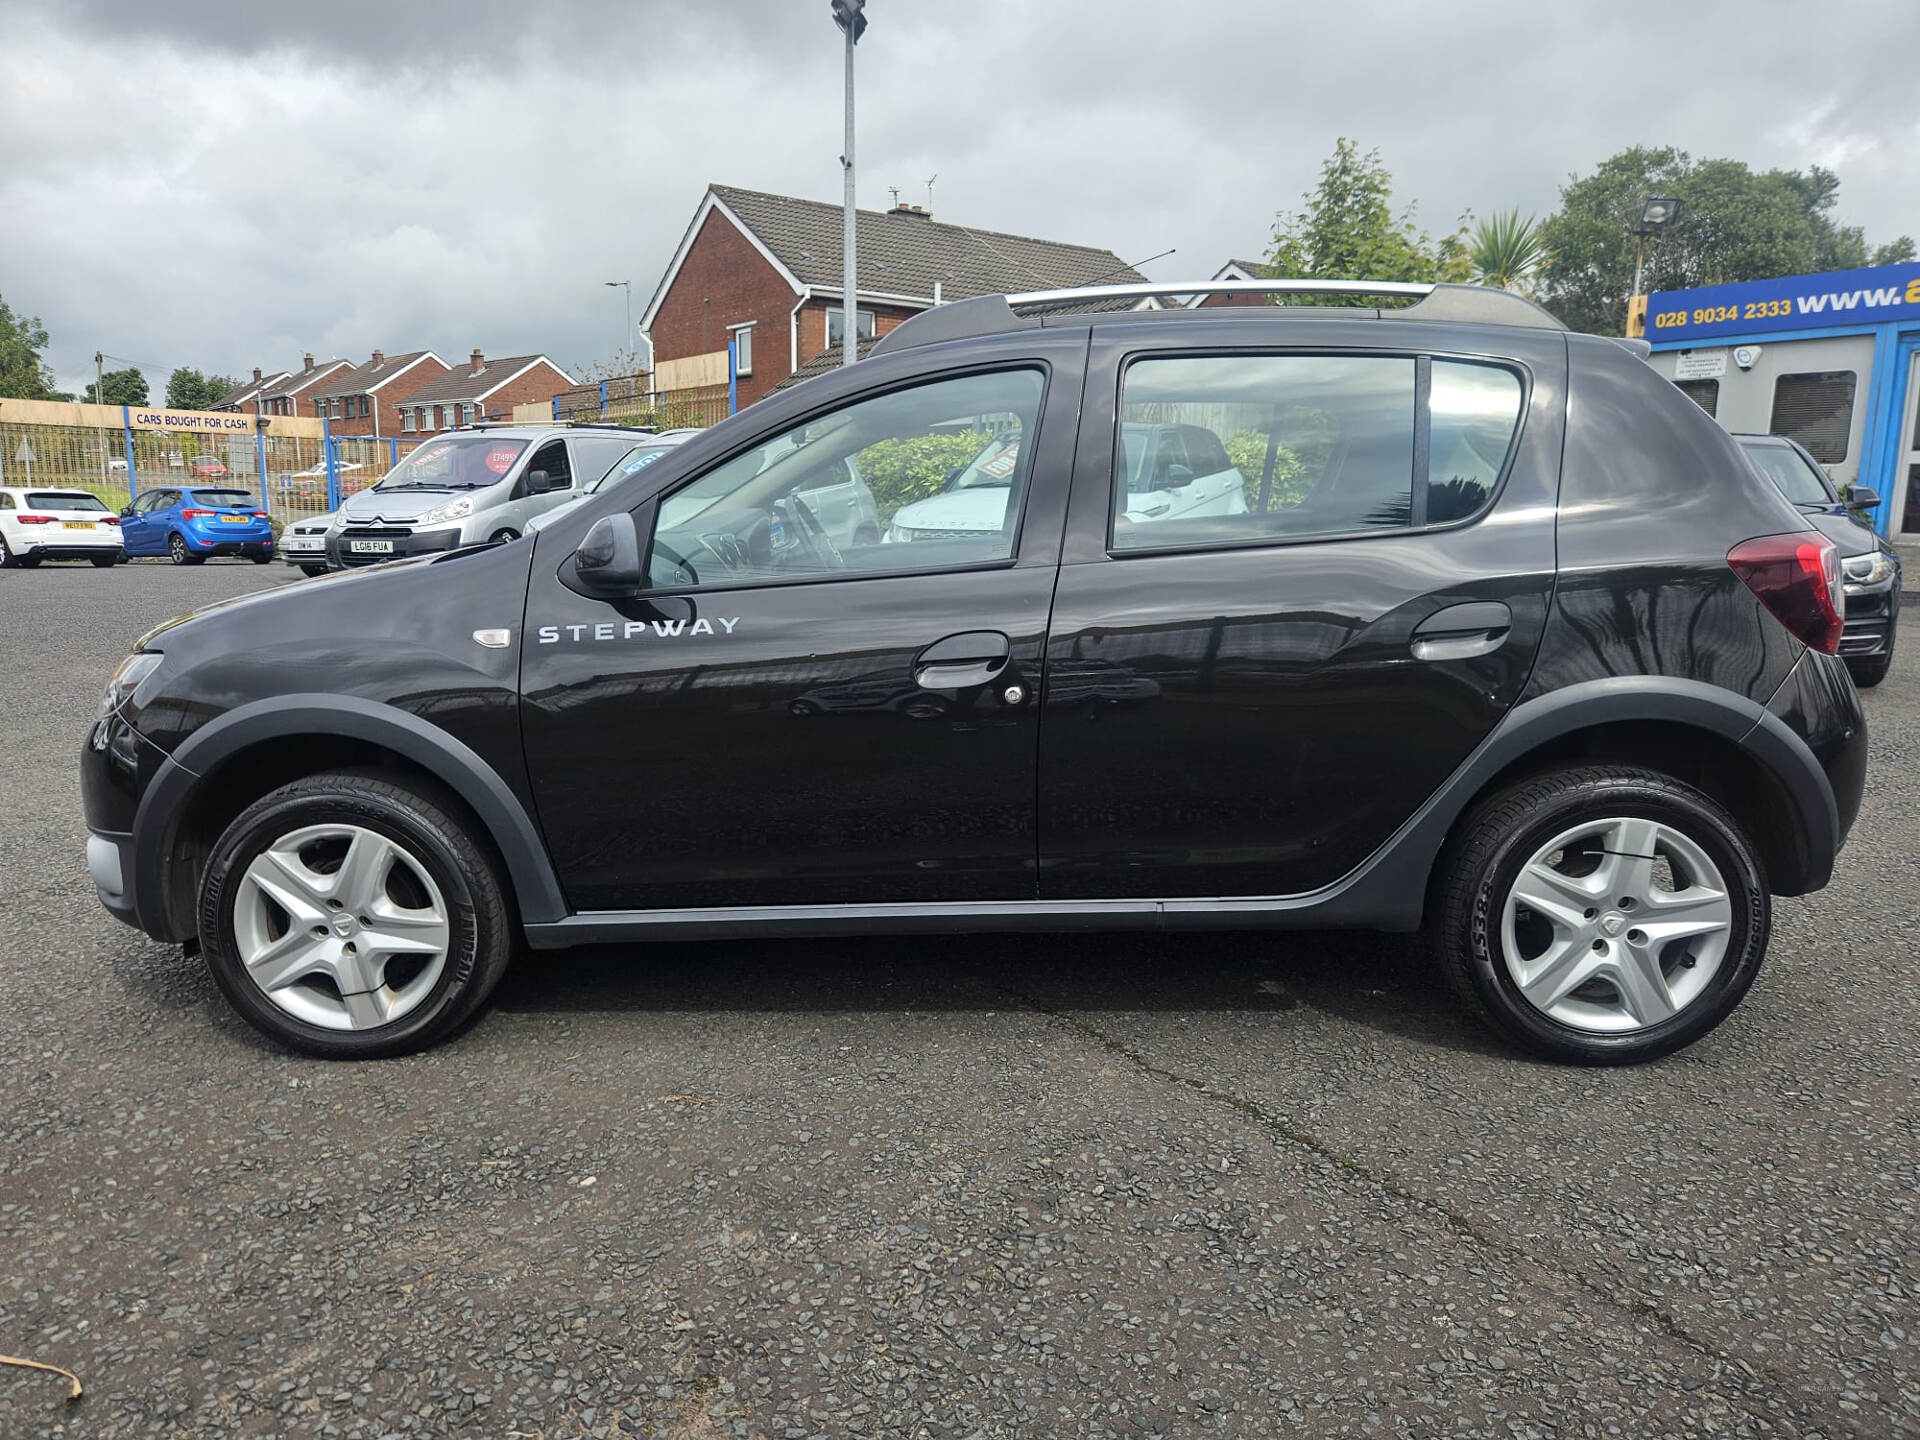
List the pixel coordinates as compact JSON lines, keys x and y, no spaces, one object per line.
{"x":1507,"y":250}
{"x":23,"y":374}
{"x":117,"y":387}
{"x":1736,"y":224}
{"x":188,"y":389}
{"x":1347,"y":229}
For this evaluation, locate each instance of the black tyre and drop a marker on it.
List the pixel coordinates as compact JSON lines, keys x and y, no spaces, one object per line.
{"x":104,"y":562}
{"x":353,"y":916}
{"x":1602,"y":915}
{"x":8,"y":560}
{"x":311,"y":571}
{"x":502,"y":536}
{"x":178,"y":552}
{"x":261,"y":557}
{"x":1871,"y":671}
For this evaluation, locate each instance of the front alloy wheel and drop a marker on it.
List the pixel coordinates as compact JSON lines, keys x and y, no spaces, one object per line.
{"x":355,"y":914}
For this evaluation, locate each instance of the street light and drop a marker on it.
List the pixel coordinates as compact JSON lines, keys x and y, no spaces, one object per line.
{"x":851,"y":17}
{"x":1656,"y":214}
{"x":626,"y":340}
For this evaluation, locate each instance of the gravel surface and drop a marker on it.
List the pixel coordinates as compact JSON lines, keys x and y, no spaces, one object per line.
{"x":1092,"y":1186}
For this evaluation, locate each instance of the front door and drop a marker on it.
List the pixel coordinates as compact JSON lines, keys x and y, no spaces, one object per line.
{"x":138,"y":534}
{"x":1248,"y":699}
{"x":780,"y":719}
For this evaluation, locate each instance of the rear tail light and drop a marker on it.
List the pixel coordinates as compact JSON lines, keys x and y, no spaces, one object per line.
{"x":1797,"y":577}
{"x":36,"y":519}
{"x":198,"y":514}
{"x":110,"y":519}
{"x":259,"y":514}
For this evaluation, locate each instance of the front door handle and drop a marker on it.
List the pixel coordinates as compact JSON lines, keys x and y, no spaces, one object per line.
{"x":970,"y":658}
{"x":1460,"y":632}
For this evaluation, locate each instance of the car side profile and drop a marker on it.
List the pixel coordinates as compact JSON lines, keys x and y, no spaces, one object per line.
{"x":49,"y":523}
{"x":1869,"y":566}
{"x":1503,"y":642}
{"x":190,"y":524}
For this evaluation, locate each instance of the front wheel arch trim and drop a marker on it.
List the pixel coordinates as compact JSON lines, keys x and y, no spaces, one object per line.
{"x":455,"y":764}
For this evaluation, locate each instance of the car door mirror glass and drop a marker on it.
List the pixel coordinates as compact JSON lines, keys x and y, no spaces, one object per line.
{"x":608,"y":559}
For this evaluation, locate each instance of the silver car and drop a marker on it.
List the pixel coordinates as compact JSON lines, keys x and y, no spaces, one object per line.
{"x":470,"y":487}
{"x":646,"y":448}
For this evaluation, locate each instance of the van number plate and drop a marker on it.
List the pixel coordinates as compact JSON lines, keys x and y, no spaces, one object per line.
{"x":370,"y":547}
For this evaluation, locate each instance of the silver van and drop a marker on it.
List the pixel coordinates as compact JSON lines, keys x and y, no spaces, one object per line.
{"x":468,"y":487}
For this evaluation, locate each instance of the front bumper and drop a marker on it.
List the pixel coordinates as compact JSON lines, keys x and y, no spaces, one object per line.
{"x":304,"y":549}
{"x":110,"y":863}
{"x":402,"y":541}
{"x":1871,"y":613}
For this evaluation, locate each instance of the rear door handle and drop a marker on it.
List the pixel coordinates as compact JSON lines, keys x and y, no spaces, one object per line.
{"x":1460,"y":632}
{"x":972,"y":657}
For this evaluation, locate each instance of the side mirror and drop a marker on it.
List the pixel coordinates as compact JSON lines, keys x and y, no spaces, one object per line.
{"x":539,"y":482}
{"x":1858,"y":499}
{"x":609,"y":557}
{"x":126,"y":510}
{"x":1179,"y":477}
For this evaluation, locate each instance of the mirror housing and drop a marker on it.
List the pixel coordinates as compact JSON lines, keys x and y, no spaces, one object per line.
{"x":539,"y":482}
{"x":609,"y":558}
{"x":125,"y":511}
{"x":1179,"y":477}
{"x":1858,"y":499}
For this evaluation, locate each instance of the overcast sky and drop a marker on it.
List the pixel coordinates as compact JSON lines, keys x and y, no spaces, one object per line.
{"x":223,"y":186}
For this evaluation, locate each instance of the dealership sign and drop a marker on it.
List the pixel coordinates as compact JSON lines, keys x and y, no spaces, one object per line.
{"x":1796,"y":302}
{"x":144,"y":419}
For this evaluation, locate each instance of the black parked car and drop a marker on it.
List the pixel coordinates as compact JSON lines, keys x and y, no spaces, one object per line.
{"x":1498,"y":638}
{"x":1869,"y":566}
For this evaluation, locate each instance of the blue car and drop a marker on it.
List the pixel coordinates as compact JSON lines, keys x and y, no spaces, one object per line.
{"x":187,"y":524}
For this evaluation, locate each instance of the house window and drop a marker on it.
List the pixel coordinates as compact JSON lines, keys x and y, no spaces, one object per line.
{"x":1704,"y":393}
{"x":466,"y":414}
{"x":420,"y":415}
{"x":862,"y":325}
{"x":743,"y":349}
{"x":1817,"y":410}
{"x":406,"y":419}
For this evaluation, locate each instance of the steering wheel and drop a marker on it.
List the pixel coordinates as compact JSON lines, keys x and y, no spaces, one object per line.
{"x":818,"y":541}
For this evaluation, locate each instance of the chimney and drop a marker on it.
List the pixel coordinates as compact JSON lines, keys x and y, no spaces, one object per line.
{"x":256,"y":374}
{"x":479,"y":362}
{"x":911,"y":212}
{"x":308,"y":357}
{"x":379,"y":357}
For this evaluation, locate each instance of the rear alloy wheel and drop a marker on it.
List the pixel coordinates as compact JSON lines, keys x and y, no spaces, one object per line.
{"x":178,"y":552}
{"x":352,"y":916}
{"x":1603,"y":915}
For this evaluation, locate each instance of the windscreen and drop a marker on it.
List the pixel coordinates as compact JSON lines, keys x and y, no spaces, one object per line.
{"x":463,"y":462}
{"x":61,"y":500}
{"x":631,"y":463}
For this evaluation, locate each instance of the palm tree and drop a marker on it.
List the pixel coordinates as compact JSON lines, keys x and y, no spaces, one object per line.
{"x":1508,"y":250}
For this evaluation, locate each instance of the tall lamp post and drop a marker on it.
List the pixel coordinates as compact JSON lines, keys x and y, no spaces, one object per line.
{"x":1656,"y":215}
{"x":626,"y":338}
{"x":851,"y":17}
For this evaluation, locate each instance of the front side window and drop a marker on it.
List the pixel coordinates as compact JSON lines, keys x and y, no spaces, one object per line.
{"x":552,"y":458}
{"x":1249,"y":448}
{"x":929,"y":477}
{"x":1817,"y":410}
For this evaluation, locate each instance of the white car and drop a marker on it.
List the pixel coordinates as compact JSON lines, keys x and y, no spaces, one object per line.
{"x":55,"y":524}
{"x":1172,"y":471}
{"x":304,"y":544}
{"x":647,"y":448}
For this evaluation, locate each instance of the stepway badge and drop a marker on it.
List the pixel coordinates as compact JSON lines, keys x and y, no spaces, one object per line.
{"x":633,"y":630}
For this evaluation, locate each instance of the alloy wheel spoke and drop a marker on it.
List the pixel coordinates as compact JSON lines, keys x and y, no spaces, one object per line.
{"x":362,"y":877}
{"x":367,"y":1008}
{"x":289,"y":884}
{"x":1642,"y":985}
{"x":1628,"y":864}
{"x":1563,"y":969}
{"x":290,"y":958}
{"x":1555,"y":896}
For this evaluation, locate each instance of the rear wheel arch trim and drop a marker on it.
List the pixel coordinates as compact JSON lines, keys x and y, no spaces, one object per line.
{"x":536,"y":889}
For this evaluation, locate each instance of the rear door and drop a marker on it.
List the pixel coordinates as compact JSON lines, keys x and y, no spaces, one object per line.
{"x":1248,"y":703}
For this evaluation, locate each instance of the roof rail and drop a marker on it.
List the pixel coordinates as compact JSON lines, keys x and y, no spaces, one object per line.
{"x":994,"y":314}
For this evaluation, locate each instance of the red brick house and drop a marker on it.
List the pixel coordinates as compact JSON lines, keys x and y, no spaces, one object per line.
{"x":291,"y":394}
{"x":764,"y":271}
{"x":1238,"y":270}
{"x":245,"y":397}
{"x":482,"y":389}
{"x":367,"y":400}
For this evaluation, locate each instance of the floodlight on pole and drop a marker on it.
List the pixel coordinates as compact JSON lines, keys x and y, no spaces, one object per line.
{"x":851,"y":17}
{"x":1656,"y":214}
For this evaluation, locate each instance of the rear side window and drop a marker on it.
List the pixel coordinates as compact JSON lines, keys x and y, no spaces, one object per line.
{"x":1243,"y":449}
{"x":1816,"y":409}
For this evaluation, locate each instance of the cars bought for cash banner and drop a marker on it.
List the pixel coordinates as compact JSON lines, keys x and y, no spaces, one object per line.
{"x":1794,"y":302}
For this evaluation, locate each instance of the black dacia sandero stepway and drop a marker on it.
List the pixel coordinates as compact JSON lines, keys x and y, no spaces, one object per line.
{"x":1242,"y":617}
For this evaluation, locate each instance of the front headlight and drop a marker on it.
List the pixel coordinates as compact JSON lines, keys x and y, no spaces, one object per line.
{"x":126,"y":679}
{"x":452,"y":510}
{"x":898,"y":532}
{"x":1868,"y":569}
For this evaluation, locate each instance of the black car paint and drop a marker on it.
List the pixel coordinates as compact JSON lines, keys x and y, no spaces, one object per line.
{"x":1332,"y":761}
